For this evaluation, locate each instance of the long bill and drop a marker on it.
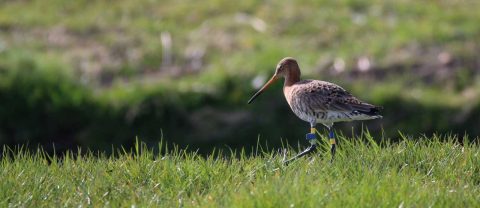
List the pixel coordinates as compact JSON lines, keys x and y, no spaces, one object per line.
{"x":273,"y":79}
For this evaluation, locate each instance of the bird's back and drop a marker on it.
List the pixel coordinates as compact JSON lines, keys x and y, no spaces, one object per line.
{"x":324,"y":102}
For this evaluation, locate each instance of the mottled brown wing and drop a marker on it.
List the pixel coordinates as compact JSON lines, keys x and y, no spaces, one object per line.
{"x":320,"y":96}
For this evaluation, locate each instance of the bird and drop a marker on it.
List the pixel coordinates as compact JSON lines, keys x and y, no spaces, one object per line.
{"x":316,"y":101}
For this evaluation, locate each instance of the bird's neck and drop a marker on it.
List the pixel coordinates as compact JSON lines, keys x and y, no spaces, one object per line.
{"x":292,"y":77}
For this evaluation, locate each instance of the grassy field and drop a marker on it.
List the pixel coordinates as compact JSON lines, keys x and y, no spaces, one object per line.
{"x":422,"y":172}
{"x":121,"y":42}
{"x":96,"y":74}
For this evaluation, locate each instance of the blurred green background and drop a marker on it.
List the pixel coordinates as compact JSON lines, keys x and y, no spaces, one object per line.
{"x":99,"y":74}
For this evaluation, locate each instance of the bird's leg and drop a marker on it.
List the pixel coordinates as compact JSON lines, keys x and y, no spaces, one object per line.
{"x":333,"y":143}
{"x":311,"y":137}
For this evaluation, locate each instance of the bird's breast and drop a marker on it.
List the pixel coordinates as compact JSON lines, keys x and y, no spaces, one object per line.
{"x":299,"y":108}
{"x":288,"y":93}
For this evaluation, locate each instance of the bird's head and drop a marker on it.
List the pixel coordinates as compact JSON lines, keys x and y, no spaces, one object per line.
{"x":286,"y":67}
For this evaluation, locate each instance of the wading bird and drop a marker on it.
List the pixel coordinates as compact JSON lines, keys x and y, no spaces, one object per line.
{"x":316,"y":101}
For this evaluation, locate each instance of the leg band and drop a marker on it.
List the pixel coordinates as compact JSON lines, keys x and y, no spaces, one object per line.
{"x":311,"y":136}
{"x":332,"y":144}
{"x":331,"y":135}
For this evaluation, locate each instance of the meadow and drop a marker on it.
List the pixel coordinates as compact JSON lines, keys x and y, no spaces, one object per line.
{"x":415,"y":172}
{"x":80,"y":81}
{"x":97,"y":74}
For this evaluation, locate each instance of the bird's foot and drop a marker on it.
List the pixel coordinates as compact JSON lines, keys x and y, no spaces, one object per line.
{"x":312,"y":139}
{"x":307,"y":151}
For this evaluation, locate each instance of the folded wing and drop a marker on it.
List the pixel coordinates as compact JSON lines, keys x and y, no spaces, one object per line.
{"x":319,"y":96}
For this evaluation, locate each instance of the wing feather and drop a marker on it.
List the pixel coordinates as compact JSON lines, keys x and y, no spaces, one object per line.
{"x":324,"y":96}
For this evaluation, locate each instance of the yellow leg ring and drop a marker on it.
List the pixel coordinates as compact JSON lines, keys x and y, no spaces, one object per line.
{"x":313,"y":130}
{"x":332,"y":141}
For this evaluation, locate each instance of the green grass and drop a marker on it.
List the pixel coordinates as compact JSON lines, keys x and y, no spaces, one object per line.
{"x":126,"y":34}
{"x":120,"y":40}
{"x":112,"y":52}
{"x":420,"y":172}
